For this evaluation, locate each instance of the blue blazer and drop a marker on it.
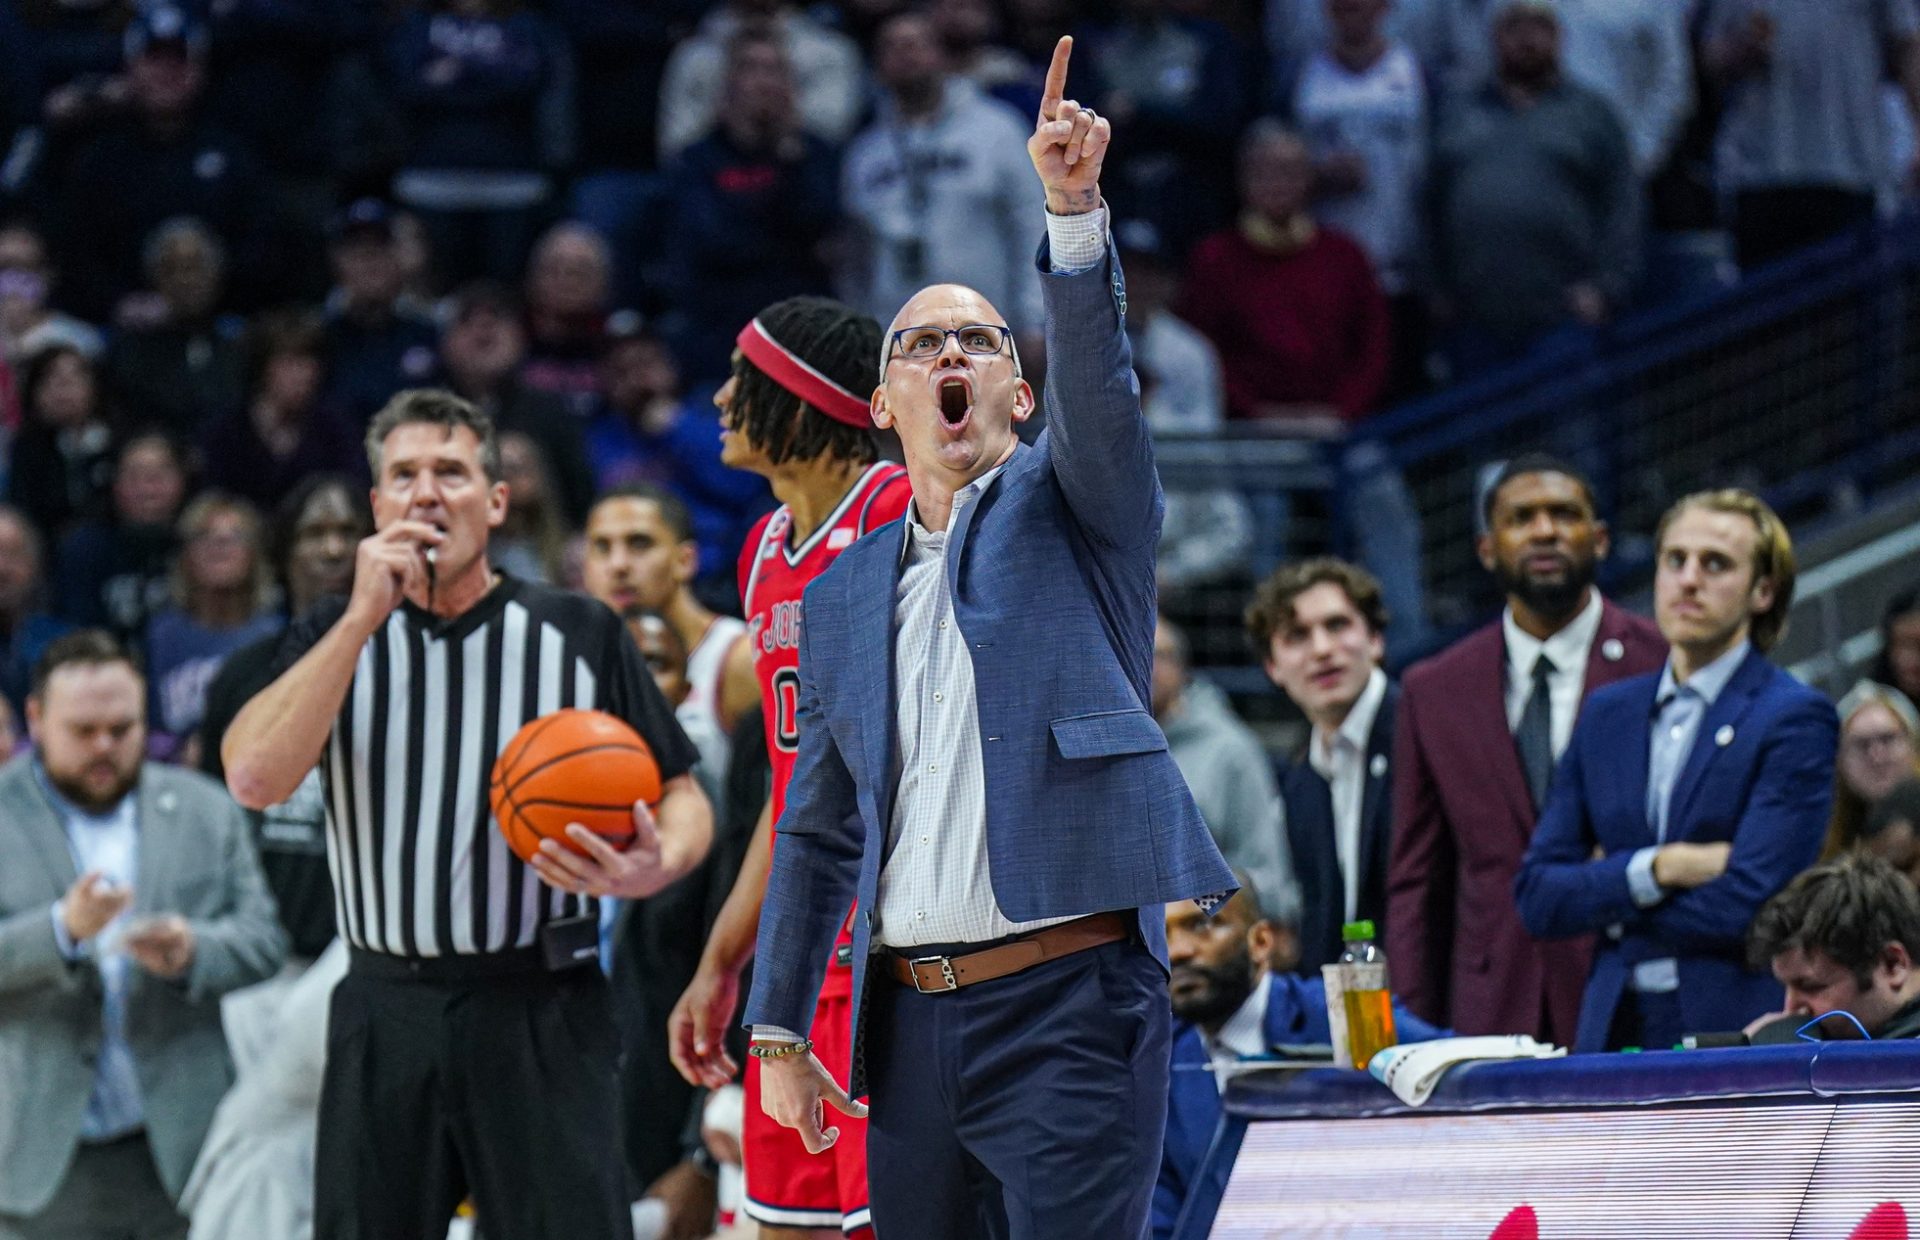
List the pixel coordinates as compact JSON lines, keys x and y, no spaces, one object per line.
{"x":1052,"y":577}
{"x":1316,"y":857}
{"x":1760,"y":775}
{"x":1296,"y":1016}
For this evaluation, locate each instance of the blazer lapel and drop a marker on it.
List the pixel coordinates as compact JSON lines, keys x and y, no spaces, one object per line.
{"x":45,"y":833}
{"x":1481,"y":707}
{"x":874,"y":582}
{"x":154,"y":826}
{"x":1376,"y":796}
{"x":1724,"y":713}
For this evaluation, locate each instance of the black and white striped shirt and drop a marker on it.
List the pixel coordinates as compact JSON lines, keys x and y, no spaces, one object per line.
{"x":419,"y":867}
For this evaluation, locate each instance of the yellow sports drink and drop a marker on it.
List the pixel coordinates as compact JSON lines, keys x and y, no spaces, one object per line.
{"x":1366,"y":997}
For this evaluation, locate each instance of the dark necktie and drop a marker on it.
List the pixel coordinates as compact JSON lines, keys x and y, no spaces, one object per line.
{"x":1534,"y":736}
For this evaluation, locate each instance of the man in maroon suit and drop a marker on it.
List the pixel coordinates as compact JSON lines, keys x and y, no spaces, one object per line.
{"x":1480,"y":727}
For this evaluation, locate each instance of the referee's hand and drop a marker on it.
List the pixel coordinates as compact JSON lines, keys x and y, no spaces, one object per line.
{"x":796,"y":1092}
{"x":386,"y":567}
{"x":631,"y":874}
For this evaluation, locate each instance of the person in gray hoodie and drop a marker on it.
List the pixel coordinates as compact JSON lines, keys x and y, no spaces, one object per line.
{"x":939,"y":187}
{"x":1229,"y":773}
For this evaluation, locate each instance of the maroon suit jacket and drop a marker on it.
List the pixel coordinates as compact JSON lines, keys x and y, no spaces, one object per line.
{"x":1462,"y":821}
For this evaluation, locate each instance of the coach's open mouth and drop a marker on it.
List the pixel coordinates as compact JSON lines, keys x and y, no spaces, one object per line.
{"x":955,"y":396}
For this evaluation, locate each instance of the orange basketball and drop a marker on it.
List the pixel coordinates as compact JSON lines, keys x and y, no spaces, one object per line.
{"x":581,"y":766}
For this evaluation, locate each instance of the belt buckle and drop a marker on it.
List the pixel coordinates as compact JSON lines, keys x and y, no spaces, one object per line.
{"x":946,"y":974}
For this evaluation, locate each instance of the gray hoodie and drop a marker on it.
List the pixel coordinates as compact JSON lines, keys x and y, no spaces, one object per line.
{"x":1232,"y":782}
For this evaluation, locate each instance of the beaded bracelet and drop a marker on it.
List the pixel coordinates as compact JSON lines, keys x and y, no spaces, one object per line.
{"x":779,"y":1050}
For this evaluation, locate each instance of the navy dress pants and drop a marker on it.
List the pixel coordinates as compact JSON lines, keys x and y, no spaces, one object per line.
{"x":1029,"y":1107}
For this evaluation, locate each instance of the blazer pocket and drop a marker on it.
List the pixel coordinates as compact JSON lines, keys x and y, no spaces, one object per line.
{"x":1108,"y":734}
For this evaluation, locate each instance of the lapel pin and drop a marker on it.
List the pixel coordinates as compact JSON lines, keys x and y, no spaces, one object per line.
{"x":1724,"y":736}
{"x":1613,"y":650}
{"x":1378,"y":766}
{"x":165,"y":802}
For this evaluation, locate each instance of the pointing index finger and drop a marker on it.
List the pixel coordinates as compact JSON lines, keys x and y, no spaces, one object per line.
{"x":1056,"y":87}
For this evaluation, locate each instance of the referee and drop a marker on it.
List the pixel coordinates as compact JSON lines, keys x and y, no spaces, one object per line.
{"x":471,"y":1048}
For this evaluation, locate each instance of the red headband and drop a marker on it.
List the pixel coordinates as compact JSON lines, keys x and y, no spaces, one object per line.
{"x":786,"y":368}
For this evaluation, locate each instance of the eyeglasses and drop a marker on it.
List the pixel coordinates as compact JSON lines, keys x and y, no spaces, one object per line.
{"x":922,"y":343}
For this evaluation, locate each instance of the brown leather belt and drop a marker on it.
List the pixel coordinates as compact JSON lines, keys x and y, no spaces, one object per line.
{"x":933,"y":974}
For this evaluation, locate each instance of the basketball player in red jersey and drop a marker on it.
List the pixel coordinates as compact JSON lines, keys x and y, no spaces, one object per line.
{"x":791,"y":413}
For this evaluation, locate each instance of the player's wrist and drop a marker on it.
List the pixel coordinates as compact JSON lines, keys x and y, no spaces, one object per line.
{"x":1074,"y":201}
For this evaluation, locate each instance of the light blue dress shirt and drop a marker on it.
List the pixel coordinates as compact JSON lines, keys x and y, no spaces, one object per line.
{"x":1677,"y":712}
{"x":110,"y":843}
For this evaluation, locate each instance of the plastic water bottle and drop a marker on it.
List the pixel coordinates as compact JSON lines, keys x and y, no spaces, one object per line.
{"x":1365,"y":995}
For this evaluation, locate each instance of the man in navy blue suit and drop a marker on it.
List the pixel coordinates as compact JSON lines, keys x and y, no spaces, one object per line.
{"x":980,"y":778}
{"x":1686,"y":799}
{"x":1230,"y":1005}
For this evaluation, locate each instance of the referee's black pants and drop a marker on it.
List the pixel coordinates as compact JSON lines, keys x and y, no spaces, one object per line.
{"x":494,"y":1079}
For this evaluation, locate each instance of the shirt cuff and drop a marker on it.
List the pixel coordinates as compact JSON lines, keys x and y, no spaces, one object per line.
{"x":1077,"y":243}
{"x":774,"y":1033}
{"x":1640,"y":880}
{"x":70,"y":951}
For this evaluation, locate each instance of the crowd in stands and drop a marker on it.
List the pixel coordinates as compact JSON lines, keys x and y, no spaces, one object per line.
{"x":230,"y":233}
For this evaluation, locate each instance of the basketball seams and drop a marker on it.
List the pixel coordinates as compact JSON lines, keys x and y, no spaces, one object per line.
{"x":620,"y":746}
{"x":518,"y":746}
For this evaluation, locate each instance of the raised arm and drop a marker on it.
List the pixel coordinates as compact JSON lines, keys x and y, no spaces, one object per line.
{"x":1102,"y":454}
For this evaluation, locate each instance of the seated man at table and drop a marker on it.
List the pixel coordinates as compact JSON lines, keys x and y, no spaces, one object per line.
{"x":1232,"y":1000}
{"x":1842,"y":937}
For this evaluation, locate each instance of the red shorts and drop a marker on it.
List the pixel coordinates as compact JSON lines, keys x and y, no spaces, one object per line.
{"x":785,"y":1185}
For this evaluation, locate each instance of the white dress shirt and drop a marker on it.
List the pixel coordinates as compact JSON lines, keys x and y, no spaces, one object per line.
{"x":1341,"y":760}
{"x":1568,"y":651}
{"x":936,"y":885}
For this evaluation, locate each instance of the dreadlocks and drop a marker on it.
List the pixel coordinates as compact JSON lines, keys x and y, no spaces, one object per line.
{"x":839,"y":343}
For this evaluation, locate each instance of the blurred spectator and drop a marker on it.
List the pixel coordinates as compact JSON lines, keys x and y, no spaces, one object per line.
{"x":1230,"y":774}
{"x":25,"y":627}
{"x":1293,"y":308}
{"x":1845,"y":937}
{"x":487,"y":94}
{"x":754,"y":203}
{"x":1879,"y":748}
{"x":63,"y":452}
{"x":1481,"y":726}
{"x":222,"y":601}
{"x":1362,"y":106}
{"x":940,"y":186}
{"x":28,"y":321}
{"x":115,"y":1021}
{"x":1207,"y":533}
{"x":531,"y":543}
{"x":379,"y":340}
{"x":1636,"y":55}
{"x":183,"y":363}
{"x":316,"y":533}
{"x":569,"y":279}
{"x":1686,"y":799}
{"x":114,"y":573}
{"x":620,"y":50}
{"x":645,"y":431}
{"x":1320,"y":627}
{"x":1892,"y":830}
{"x":973,"y":33}
{"x":481,"y":351}
{"x":1899,"y":662}
{"x":286,"y":431}
{"x":1175,"y":85}
{"x":666,"y":657}
{"x":71,"y":57}
{"x":12,"y":738}
{"x":1803,"y":137}
{"x":1533,"y":199}
{"x":1230,"y":1004}
{"x":165,"y":161}
{"x":1432,"y":29}
{"x":829,"y":79}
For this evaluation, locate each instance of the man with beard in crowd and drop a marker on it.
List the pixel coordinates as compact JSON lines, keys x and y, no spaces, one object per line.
{"x":1232,"y":1000}
{"x":1466,"y":797}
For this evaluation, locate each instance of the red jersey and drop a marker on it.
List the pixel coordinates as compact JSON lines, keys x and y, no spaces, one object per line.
{"x":773,"y":576}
